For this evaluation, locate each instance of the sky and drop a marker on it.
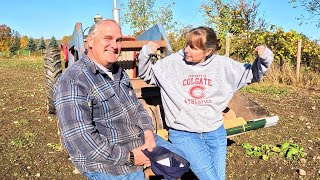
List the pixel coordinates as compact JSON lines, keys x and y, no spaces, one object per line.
{"x":41,"y":18}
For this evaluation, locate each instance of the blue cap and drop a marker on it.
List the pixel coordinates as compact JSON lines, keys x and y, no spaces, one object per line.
{"x":166,"y":163}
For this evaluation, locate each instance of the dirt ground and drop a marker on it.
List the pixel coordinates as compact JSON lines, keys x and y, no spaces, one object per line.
{"x":29,"y":143}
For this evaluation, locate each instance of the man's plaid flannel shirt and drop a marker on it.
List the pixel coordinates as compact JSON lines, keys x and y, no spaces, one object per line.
{"x":101,"y":120}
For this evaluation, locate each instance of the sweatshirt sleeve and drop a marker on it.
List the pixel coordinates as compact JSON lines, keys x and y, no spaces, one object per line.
{"x":248,"y":73}
{"x":145,"y":66}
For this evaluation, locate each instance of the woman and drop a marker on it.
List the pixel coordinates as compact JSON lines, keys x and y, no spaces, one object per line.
{"x":196,"y":85}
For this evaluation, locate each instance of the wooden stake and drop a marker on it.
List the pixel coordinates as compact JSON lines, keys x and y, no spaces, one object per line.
{"x":227,"y":45}
{"x":298,"y":59}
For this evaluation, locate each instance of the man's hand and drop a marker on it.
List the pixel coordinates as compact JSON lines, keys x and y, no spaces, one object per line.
{"x":140,"y":159}
{"x":153,"y":47}
{"x":149,"y":142}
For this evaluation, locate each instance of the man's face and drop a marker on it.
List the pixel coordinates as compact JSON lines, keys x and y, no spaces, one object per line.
{"x":105,"y":44}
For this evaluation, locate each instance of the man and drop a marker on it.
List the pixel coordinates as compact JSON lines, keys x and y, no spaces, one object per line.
{"x":104,"y":126}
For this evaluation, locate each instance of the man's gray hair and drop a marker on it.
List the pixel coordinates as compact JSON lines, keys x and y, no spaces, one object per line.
{"x":94,"y":27}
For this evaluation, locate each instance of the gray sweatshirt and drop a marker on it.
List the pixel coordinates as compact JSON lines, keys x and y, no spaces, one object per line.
{"x":194,"y":95}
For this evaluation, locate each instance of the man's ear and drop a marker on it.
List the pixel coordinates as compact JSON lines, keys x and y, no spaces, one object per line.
{"x":90,"y":42}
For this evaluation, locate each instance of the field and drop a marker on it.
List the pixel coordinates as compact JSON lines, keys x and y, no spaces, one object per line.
{"x":30,"y":146}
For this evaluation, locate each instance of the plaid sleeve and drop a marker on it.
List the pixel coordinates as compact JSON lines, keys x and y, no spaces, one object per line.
{"x":145,"y":118}
{"x":73,"y":111}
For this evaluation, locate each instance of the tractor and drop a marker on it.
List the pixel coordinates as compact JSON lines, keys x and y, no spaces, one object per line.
{"x":242,"y":114}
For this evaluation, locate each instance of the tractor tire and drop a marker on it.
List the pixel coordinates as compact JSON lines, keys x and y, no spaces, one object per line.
{"x":52,"y":70}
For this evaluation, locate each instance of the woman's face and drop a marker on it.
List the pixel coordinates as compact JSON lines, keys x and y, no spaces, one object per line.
{"x":194,"y":54}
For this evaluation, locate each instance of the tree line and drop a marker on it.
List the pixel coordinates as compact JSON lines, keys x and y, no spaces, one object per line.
{"x":240,"y":21}
{"x":11,"y":41}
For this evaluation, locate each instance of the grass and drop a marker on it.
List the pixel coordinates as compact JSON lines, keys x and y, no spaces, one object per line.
{"x":21,"y":122}
{"x":35,"y":63}
{"x":275,"y":90}
{"x":28,"y":139}
{"x":19,"y":108}
{"x":55,"y":146}
{"x":288,"y":76}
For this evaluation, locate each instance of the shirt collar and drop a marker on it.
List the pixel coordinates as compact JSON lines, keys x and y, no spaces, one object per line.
{"x":106,"y":70}
{"x":116,"y":69}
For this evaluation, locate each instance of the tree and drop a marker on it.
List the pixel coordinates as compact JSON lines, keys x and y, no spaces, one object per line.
{"x":65,"y":40}
{"x":142,"y":14}
{"x":13,"y":49}
{"x":31,"y":45}
{"x":53,"y":43}
{"x":15,"y":43}
{"x":24,"y":41}
{"x":42,"y":45}
{"x":16,"y":39}
{"x":178,"y":39}
{"x":236,"y":18}
{"x":312,"y":7}
{"x":241,"y":19}
{"x":5,"y":37}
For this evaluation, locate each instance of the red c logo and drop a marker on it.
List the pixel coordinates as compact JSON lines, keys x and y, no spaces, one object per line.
{"x":197,"y":92}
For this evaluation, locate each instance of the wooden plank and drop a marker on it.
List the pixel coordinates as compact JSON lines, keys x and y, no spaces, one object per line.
{"x":137,"y":45}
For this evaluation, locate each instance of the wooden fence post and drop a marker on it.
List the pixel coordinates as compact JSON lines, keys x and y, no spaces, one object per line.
{"x":298,"y":59}
{"x":227,"y":45}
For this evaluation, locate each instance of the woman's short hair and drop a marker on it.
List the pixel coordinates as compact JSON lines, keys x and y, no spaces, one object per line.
{"x":204,"y":38}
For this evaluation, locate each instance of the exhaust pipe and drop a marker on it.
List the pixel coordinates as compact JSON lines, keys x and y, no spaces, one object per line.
{"x":116,"y":12}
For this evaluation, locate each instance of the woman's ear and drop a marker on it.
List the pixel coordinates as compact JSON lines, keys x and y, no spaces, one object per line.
{"x":208,"y":52}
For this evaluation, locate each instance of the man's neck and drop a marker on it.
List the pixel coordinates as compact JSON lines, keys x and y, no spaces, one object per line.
{"x":106,"y":70}
{"x":91,"y":57}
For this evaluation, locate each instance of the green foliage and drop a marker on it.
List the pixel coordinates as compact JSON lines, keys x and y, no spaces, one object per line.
{"x":240,"y":19}
{"x":272,"y":89}
{"x":143,"y":14}
{"x":178,"y":39}
{"x":28,"y":139}
{"x":53,"y":43}
{"x":16,"y":39}
{"x":264,"y":151}
{"x":283,"y":44}
{"x":15,"y":43}
{"x":55,"y":146}
{"x":21,"y":122}
{"x":236,"y":17}
{"x":23,"y":52}
{"x":42,"y":44}
{"x":31,"y":45}
{"x":13,"y":49}
{"x":310,"y":55}
{"x":248,"y":30}
{"x":23,"y":64}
